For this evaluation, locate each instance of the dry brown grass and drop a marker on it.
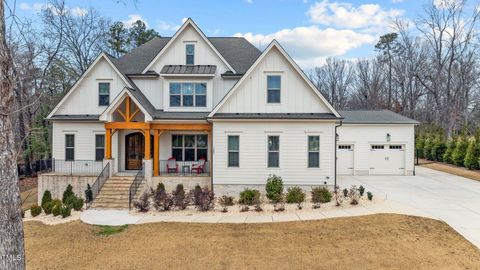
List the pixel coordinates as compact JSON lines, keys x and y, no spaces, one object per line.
{"x":29,"y":197}
{"x":452,"y":169}
{"x":368,"y":242}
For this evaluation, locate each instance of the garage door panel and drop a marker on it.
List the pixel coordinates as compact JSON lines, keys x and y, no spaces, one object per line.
{"x":387,"y":159}
{"x":345,"y":159}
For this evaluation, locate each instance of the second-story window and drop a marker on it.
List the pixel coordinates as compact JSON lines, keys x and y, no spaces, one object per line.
{"x":103,"y":94}
{"x":273,"y":88}
{"x":190,"y":54}
{"x":188,"y":94}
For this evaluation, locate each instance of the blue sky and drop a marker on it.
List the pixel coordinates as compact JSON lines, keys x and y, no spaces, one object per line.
{"x":310,"y":30}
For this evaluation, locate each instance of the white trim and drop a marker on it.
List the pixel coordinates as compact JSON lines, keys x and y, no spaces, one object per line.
{"x":273,"y":44}
{"x":268,"y":151}
{"x":166,"y":75}
{"x":228,"y":151}
{"x":74,"y":87}
{"x":117,"y":101}
{"x":189,"y":21}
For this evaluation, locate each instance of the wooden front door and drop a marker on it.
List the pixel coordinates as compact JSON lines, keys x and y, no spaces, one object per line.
{"x":134,"y":151}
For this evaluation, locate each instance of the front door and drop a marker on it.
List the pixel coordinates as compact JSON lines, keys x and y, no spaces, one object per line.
{"x":134,"y":151}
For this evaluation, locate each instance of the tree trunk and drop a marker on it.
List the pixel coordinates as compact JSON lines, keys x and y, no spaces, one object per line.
{"x":12,"y":251}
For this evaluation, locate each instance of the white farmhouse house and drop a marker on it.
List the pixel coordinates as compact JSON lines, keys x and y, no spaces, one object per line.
{"x":213,"y":111}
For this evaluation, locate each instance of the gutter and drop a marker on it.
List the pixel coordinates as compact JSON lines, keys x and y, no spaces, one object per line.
{"x":211,"y":158}
{"x":335,"y":163}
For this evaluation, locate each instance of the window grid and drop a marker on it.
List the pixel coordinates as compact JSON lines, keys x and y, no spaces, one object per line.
{"x":233,"y":151}
{"x":395,"y":147}
{"x":190,"y":54}
{"x":103,"y":94}
{"x":346,"y":147}
{"x":273,"y":152}
{"x":188,"y":94}
{"x":313,"y":151}
{"x":99,"y":147}
{"x":69,"y":147}
{"x":377,"y":147}
{"x":189,"y":147}
{"x":273,"y":88}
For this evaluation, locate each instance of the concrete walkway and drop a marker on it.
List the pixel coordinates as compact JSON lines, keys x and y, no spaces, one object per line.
{"x":432,"y":194}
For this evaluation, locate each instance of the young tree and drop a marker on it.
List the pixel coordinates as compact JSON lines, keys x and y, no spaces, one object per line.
{"x":118,"y":41}
{"x":419,"y":143}
{"x":438,"y":148}
{"x":387,"y":44}
{"x":11,"y":230}
{"x":139,"y":34}
{"x":447,"y":156}
{"x":458,"y":155}
{"x":427,"y":148}
{"x":472,"y":155}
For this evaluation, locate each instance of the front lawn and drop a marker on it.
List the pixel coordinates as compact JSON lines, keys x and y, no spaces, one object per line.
{"x":368,"y":242}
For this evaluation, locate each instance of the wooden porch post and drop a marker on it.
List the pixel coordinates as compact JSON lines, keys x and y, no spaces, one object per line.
{"x":108,"y":143}
{"x":146,"y":133}
{"x":156,"y":152}
{"x":210,"y":149}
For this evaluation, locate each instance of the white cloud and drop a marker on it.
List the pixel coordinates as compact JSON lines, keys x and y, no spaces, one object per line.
{"x":38,"y":7}
{"x":346,"y":15}
{"x":132,"y":18}
{"x":77,"y":11}
{"x":397,"y":1}
{"x":24,"y":6}
{"x":249,"y":1}
{"x":167,"y":27}
{"x":309,"y":46}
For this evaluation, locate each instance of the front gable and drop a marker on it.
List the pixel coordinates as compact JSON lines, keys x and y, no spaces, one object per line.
{"x":83,"y":96}
{"x":136,"y":112}
{"x":298,"y":95}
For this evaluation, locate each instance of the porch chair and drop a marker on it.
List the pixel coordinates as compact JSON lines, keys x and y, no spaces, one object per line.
{"x":200,"y":166}
{"x":172,"y":165}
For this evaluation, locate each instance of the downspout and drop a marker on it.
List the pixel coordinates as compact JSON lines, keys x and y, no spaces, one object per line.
{"x":211,"y":157}
{"x":335,"y":163}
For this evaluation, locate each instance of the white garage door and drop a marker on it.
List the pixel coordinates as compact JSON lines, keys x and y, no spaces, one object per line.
{"x":387,"y":159}
{"x":345,"y":159}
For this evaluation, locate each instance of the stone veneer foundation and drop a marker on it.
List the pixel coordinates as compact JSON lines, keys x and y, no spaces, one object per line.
{"x":57,"y":183}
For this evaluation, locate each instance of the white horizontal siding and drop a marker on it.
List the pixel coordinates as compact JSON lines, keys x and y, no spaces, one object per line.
{"x":362,"y":136}
{"x":293,"y":152}
{"x":84,"y":139}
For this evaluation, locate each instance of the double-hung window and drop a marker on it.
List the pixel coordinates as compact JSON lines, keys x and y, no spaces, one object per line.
{"x":69,"y":147}
{"x":233,"y":151}
{"x":188,"y":94}
{"x":189,"y":147}
{"x":273,"y":88}
{"x":190,"y":54}
{"x":313,"y":151}
{"x":99,"y":147}
{"x":273,"y":152}
{"x":103,"y":94}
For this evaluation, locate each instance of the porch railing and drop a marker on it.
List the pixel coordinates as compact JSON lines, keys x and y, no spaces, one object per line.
{"x":184,"y":168}
{"x":139,"y":178}
{"x":100,"y":181}
{"x":77,"y":166}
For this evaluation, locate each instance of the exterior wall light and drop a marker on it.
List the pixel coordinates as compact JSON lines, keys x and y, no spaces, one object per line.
{"x":388,"y":137}
{"x":337,"y":137}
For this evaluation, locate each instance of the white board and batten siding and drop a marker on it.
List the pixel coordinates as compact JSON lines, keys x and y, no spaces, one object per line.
{"x":373,"y":153}
{"x":253,"y":169}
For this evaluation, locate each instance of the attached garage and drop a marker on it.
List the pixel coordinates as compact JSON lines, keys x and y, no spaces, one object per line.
{"x":377,"y":142}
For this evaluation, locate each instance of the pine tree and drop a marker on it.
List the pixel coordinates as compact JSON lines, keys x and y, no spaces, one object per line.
{"x":447,"y":156}
{"x":472,"y":155}
{"x":419,"y":143}
{"x":458,"y":155}
{"x":427,"y":148}
{"x":438,"y":149}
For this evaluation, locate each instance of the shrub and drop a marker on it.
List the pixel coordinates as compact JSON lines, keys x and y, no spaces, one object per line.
{"x":47,"y":207}
{"x":67,"y":193}
{"x":70,"y":201}
{"x":438,"y":149}
{"x":179,"y":197}
{"x":472,"y":155}
{"x":458,"y":155}
{"x":35,"y":210}
{"x":320,"y":195}
{"x":162,"y":201}
{"x":420,"y":141}
{"x":143,"y":203}
{"x":88,"y":194}
{"x":345,"y":192}
{"x":338,"y":196}
{"x":78,"y":203}
{"x":427,"y":148}
{"x":65,"y":211}
{"x":204,"y":199}
{"x":47,"y":197}
{"x":257,"y":201}
{"x":361,"y":190}
{"x":160,"y":186}
{"x":247,"y":197}
{"x":447,"y":156}
{"x":224,"y":202}
{"x":296,"y":195}
{"x":369,"y":195}
{"x":274,"y":188}
{"x":354,"y":195}
{"x":57,"y":205}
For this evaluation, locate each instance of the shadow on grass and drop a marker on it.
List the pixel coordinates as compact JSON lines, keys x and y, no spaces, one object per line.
{"x":110,"y":230}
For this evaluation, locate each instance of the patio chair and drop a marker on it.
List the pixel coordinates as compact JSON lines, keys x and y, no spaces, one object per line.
{"x":200,"y":166}
{"x":172,"y":166}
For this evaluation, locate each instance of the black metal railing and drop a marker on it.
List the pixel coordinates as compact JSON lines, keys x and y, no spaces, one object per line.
{"x":184,"y":168}
{"x":139,"y":178}
{"x":77,"y":166}
{"x":35,"y":167}
{"x":101,"y":179}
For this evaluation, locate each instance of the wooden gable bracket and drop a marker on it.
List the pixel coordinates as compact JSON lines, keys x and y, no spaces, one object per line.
{"x":127,"y":117}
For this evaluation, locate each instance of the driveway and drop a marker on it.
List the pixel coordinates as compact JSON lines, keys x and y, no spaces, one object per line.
{"x":447,"y":197}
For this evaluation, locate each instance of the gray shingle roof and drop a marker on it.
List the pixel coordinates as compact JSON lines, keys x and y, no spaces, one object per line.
{"x":78,"y":117}
{"x":160,"y":114}
{"x":188,"y":69}
{"x":274,"y":116}
{"x":375,"y":117}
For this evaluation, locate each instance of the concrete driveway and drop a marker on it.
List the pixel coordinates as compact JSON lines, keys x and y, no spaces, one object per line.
{"x":453,"y":199}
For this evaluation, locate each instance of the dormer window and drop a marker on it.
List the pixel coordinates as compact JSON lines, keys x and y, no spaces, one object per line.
{"x":190,"y":54}
{"x":188,"y":94}
{"x":273,"y":88}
